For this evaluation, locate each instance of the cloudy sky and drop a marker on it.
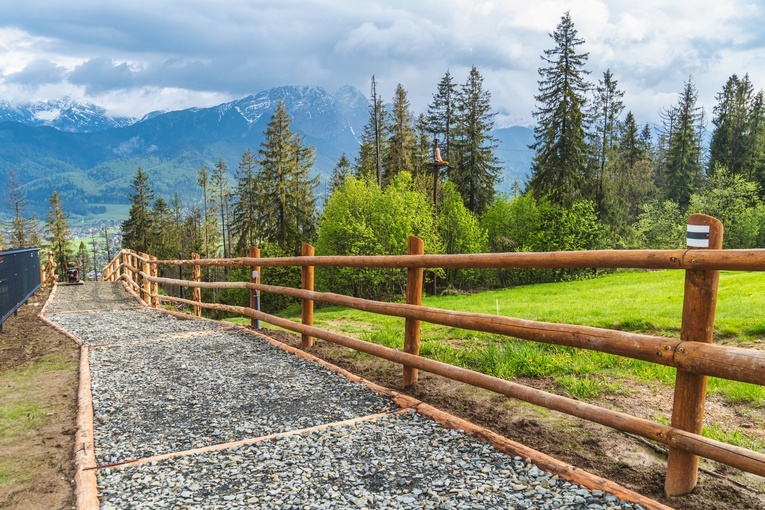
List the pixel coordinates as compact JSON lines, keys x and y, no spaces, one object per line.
{"x":136,"y":56}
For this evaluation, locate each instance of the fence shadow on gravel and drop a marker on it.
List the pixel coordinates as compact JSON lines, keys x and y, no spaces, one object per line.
{"x":693,"y":354}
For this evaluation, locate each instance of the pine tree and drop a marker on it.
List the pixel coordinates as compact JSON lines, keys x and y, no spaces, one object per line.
{"x":477,"y":169}
{"x":209,"y":226}
{"x":441,"y":114}
{"x":731,"y":118}
{"x":633,"y":180}
{"x":606,"y":109}
{"x":219,"y":183}
{"x":161,"y":226}
{"x":399,"y":156}
{"x":558,"y":168}
{"x":368,"y":163}
{"x":246,"y":225}
{"x":83,"y":257}
{"x":287,"y":200}
{"x":339,"y":173}
{"x":137,"y":229}
{"x":755,"y":166}
{"x":683,"y":170}
{"x":59,"y":233}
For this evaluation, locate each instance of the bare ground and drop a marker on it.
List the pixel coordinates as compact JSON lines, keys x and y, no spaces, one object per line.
{"x":599,"y":450}
{"x":38,"y":379}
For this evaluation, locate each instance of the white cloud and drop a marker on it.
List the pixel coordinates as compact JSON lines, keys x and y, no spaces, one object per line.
{"x":136,"y":56}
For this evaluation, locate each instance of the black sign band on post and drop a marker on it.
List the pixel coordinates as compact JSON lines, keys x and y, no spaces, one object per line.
{"x":698,"y":236}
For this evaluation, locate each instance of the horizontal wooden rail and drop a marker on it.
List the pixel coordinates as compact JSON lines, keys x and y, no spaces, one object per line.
{"x":734,"y":456}
{"x":734,"y":363}
{"x":736,"y":260}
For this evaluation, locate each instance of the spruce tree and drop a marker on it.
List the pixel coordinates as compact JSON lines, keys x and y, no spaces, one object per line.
{"x":287,"y":196}
{"x":137,"y":228}
{"x":246,"y":225}
{"x":731,"y":118}
{"x":399,"y":156}
{"x":210,"y":235}
{"x":219,"y":182}
{"x":162,"y":230}
{"x":59,"y":233}
{"x":633,"y":180}
{"x":476,"y":172}
{"x":84,"y":258}
{"x":683,"y":168}
{"x":372,"y":149}
{"x":558,"y":168}
{"x":755,"y":166}
{"x":441,"y":114}
{"x":339,"y":173}
{"x":606,"y":109}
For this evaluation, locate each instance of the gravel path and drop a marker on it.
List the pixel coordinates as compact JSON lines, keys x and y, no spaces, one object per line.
{"x":161,"y":385}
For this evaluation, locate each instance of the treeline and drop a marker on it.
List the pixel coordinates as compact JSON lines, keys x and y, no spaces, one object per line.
{"x":599,"y":179}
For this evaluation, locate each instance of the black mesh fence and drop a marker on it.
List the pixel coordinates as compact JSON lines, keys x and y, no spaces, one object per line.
{"x":19,"y":279}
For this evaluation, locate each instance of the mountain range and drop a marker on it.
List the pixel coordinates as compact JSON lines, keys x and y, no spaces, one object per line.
{"x":90,"y":158}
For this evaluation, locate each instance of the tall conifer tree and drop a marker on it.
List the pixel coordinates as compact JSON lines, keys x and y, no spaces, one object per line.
{"x":399,"y":156}
{"x":59,"y":233}
{"x":476,"y":172}
{"x":137,"y":229}
{"x":287,"y":195}
{"x":732,"y":118}
{"x":606,"y":109}
{"x":441,"y":114}
{"x":683,"y":168}
{"x":246,"y":225}
{"x":558,"y":168}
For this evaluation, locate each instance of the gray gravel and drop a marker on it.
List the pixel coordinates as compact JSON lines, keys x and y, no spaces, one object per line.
{"x":164,"y":385}
{"x":128,"y":326}
{"x":91,"y":296}
{"x":401,"y":461}
{"x":210,"y":387}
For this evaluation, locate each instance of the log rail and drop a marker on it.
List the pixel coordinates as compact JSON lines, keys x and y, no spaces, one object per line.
{"x":693,"y":354}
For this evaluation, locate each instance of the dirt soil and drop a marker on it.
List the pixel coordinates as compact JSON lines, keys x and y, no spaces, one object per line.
{"x":38,"y":375}
{"x":597,"y":449}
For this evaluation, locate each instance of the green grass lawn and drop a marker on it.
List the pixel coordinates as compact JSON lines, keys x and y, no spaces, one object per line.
{"x":638,"y":301}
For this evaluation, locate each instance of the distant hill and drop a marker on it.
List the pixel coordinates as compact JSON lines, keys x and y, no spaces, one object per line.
{"x":91,"y":158}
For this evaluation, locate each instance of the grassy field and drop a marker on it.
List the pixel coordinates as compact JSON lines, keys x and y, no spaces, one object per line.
{"x":646,"y":302}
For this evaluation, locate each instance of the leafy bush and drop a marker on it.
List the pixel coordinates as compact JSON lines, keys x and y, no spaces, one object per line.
{"x":527,"y":224}
{"x":361,"y":219}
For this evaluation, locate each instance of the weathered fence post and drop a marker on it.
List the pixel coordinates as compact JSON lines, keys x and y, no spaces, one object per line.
{"x":255,"y":294}
{"x":414,"y":276}
{"x":196,"y":275}
{"x":145,"y":283}
{"x":699,"y":303}
{"x":154,"y":286}
{"x":307,"y":304}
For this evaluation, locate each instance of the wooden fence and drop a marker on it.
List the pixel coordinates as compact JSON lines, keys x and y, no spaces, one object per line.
{"x":693,"y":354}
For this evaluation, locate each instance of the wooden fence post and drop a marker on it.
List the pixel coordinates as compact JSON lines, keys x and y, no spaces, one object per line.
{"x":154,"y":286}
{"x":196,"y":275}
{"x":254,"y":294}
{"x":307,"y":304}
{"x":145,"y":283}
{"x":414,"y":276}
{"x":699,"y":303}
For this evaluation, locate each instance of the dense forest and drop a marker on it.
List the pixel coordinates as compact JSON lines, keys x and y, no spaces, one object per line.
{"x":599,"y":179}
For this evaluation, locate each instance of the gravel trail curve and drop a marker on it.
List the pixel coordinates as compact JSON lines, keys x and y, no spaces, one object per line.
{"x":163,"y":385}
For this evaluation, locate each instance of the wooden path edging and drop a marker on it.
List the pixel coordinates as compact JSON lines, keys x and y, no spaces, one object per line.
{"x":501,"y":443}
{"x":85,"y":484}
{"x":86,"y":490}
